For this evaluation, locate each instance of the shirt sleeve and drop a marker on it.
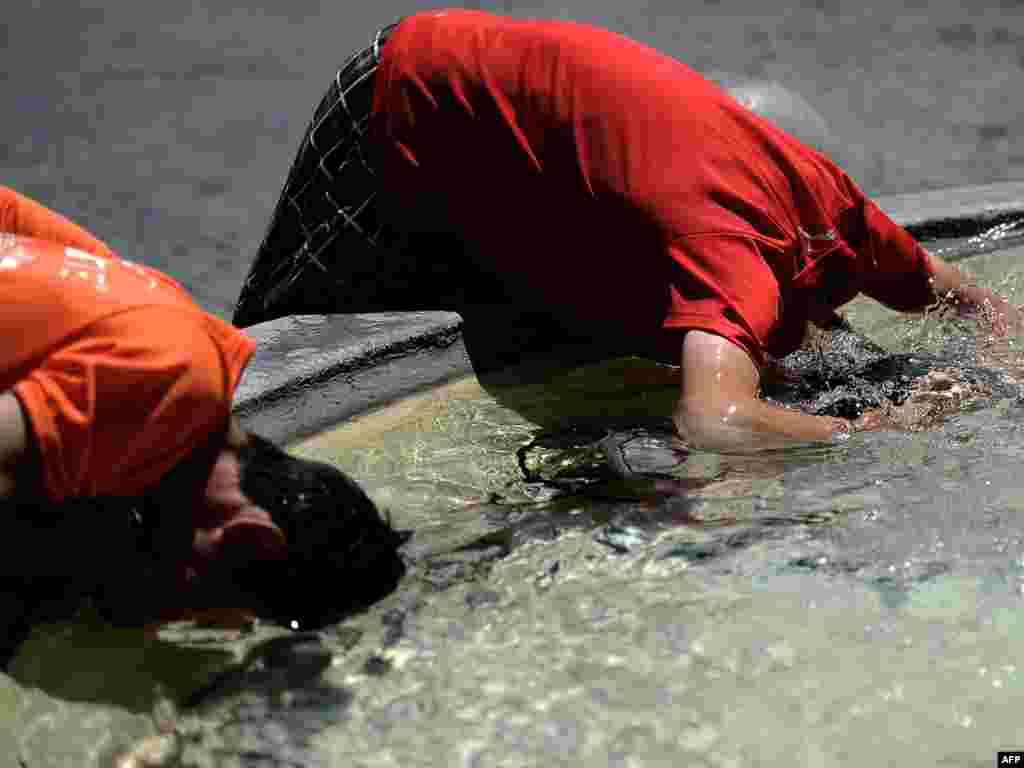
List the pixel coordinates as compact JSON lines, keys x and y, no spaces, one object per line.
{"x":114,"y":411}
{"x":722,"y":284}
{"x":901,"y":274}
{"x":20,"y":215}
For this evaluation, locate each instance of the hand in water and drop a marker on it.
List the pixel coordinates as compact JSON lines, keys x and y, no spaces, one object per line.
{"x":873,"y":420}
{"x":1001,"y":318}
{"x":995,"y":315}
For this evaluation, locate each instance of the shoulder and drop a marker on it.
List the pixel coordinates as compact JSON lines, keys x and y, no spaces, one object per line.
{"x":174,"y":338}
{"x":117,"y":407}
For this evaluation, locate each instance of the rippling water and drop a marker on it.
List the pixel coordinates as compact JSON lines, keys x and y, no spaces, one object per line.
{"x":854,"y":605}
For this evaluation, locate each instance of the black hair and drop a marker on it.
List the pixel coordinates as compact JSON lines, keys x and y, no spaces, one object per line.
{"x":342,"y":555}
{"x":124,"y":552}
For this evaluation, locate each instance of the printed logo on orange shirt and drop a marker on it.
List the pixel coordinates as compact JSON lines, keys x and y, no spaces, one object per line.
{"x":13,"y":254}
{"x":97,"y":270}
{"x":84,"y":266}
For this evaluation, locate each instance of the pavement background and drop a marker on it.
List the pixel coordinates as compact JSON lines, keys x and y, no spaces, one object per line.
{"x":167,"y":128}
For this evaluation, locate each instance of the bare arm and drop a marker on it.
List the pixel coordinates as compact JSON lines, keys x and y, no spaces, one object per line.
{"x":13,"y":443}
{"x":947,"y":278}
{"x":908,"y":278}
{"x":718,"y":408}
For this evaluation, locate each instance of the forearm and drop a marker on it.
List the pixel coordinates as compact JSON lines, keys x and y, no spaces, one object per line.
{"x":947,"y":278}
{"x":718,"y":408}
{"x":751,"y":425}
{"x":949,"y":281}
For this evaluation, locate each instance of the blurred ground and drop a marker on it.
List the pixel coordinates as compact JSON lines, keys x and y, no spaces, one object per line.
{"x":167,"y":128}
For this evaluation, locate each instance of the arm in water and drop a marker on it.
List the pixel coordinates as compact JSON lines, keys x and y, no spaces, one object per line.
{"x":908,"y":278}
{"x":996,"y":311}
{"x":718,"y":408}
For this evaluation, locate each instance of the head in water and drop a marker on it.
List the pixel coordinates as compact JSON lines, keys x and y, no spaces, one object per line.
{"x":293,"y":540}
{"x":341,"y":554}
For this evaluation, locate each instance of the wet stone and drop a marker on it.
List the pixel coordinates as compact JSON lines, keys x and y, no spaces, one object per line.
{"x":691,"y":551}
{"x":292,"y":652}
{"x":401,"y":710}
{"x":255,"y":735}
{"x":571,"y":459}
{"x":376,"y":666}
{"x":644,"y":453}
{"x":395,"y":621}
{"x":346,"y":637}
{"x":414,"y":550}
{"x":444,"y":575}
{"x":560,"y":736}
{"x":253,"y":710}
{"x":456,"y":632}
{"x":676,"y":636}
{"x":393,"y":634}
{"x":478,"y":598}
{"x":531,"y":527}
{"x":585,"y":456}
{"x":281,"y":662}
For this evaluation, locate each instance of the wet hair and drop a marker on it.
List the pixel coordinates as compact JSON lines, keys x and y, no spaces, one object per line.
{"x":125,"y":552}
{"x":342,"y":555}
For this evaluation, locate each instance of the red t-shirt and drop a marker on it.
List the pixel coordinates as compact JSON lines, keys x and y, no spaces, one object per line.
{"x":120,"y":374}
{"x":606,"y":178}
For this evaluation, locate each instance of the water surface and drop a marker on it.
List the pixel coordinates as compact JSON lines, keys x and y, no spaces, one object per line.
{"x":860,"y":604}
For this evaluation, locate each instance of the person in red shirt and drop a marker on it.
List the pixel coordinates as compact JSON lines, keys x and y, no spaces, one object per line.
{"x":117,"y":443}
{"x":595,"y":177}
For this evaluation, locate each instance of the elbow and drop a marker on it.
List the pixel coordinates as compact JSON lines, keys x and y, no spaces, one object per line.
{"x":710,"y":425}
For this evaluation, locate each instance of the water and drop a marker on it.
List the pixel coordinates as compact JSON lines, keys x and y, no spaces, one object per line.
{"x":855,"y":605}
{"x":1004,"y":231}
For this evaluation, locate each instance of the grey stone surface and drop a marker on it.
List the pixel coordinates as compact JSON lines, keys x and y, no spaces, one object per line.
{"x":312,"y":371}
{"x":918,"y":210}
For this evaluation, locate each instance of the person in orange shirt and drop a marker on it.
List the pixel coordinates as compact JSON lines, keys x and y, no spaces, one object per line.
{"x":119,"y":454}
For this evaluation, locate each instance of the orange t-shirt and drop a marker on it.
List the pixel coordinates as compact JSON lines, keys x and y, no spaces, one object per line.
{"x":120,"y":374}
{"x":23,"y":216}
